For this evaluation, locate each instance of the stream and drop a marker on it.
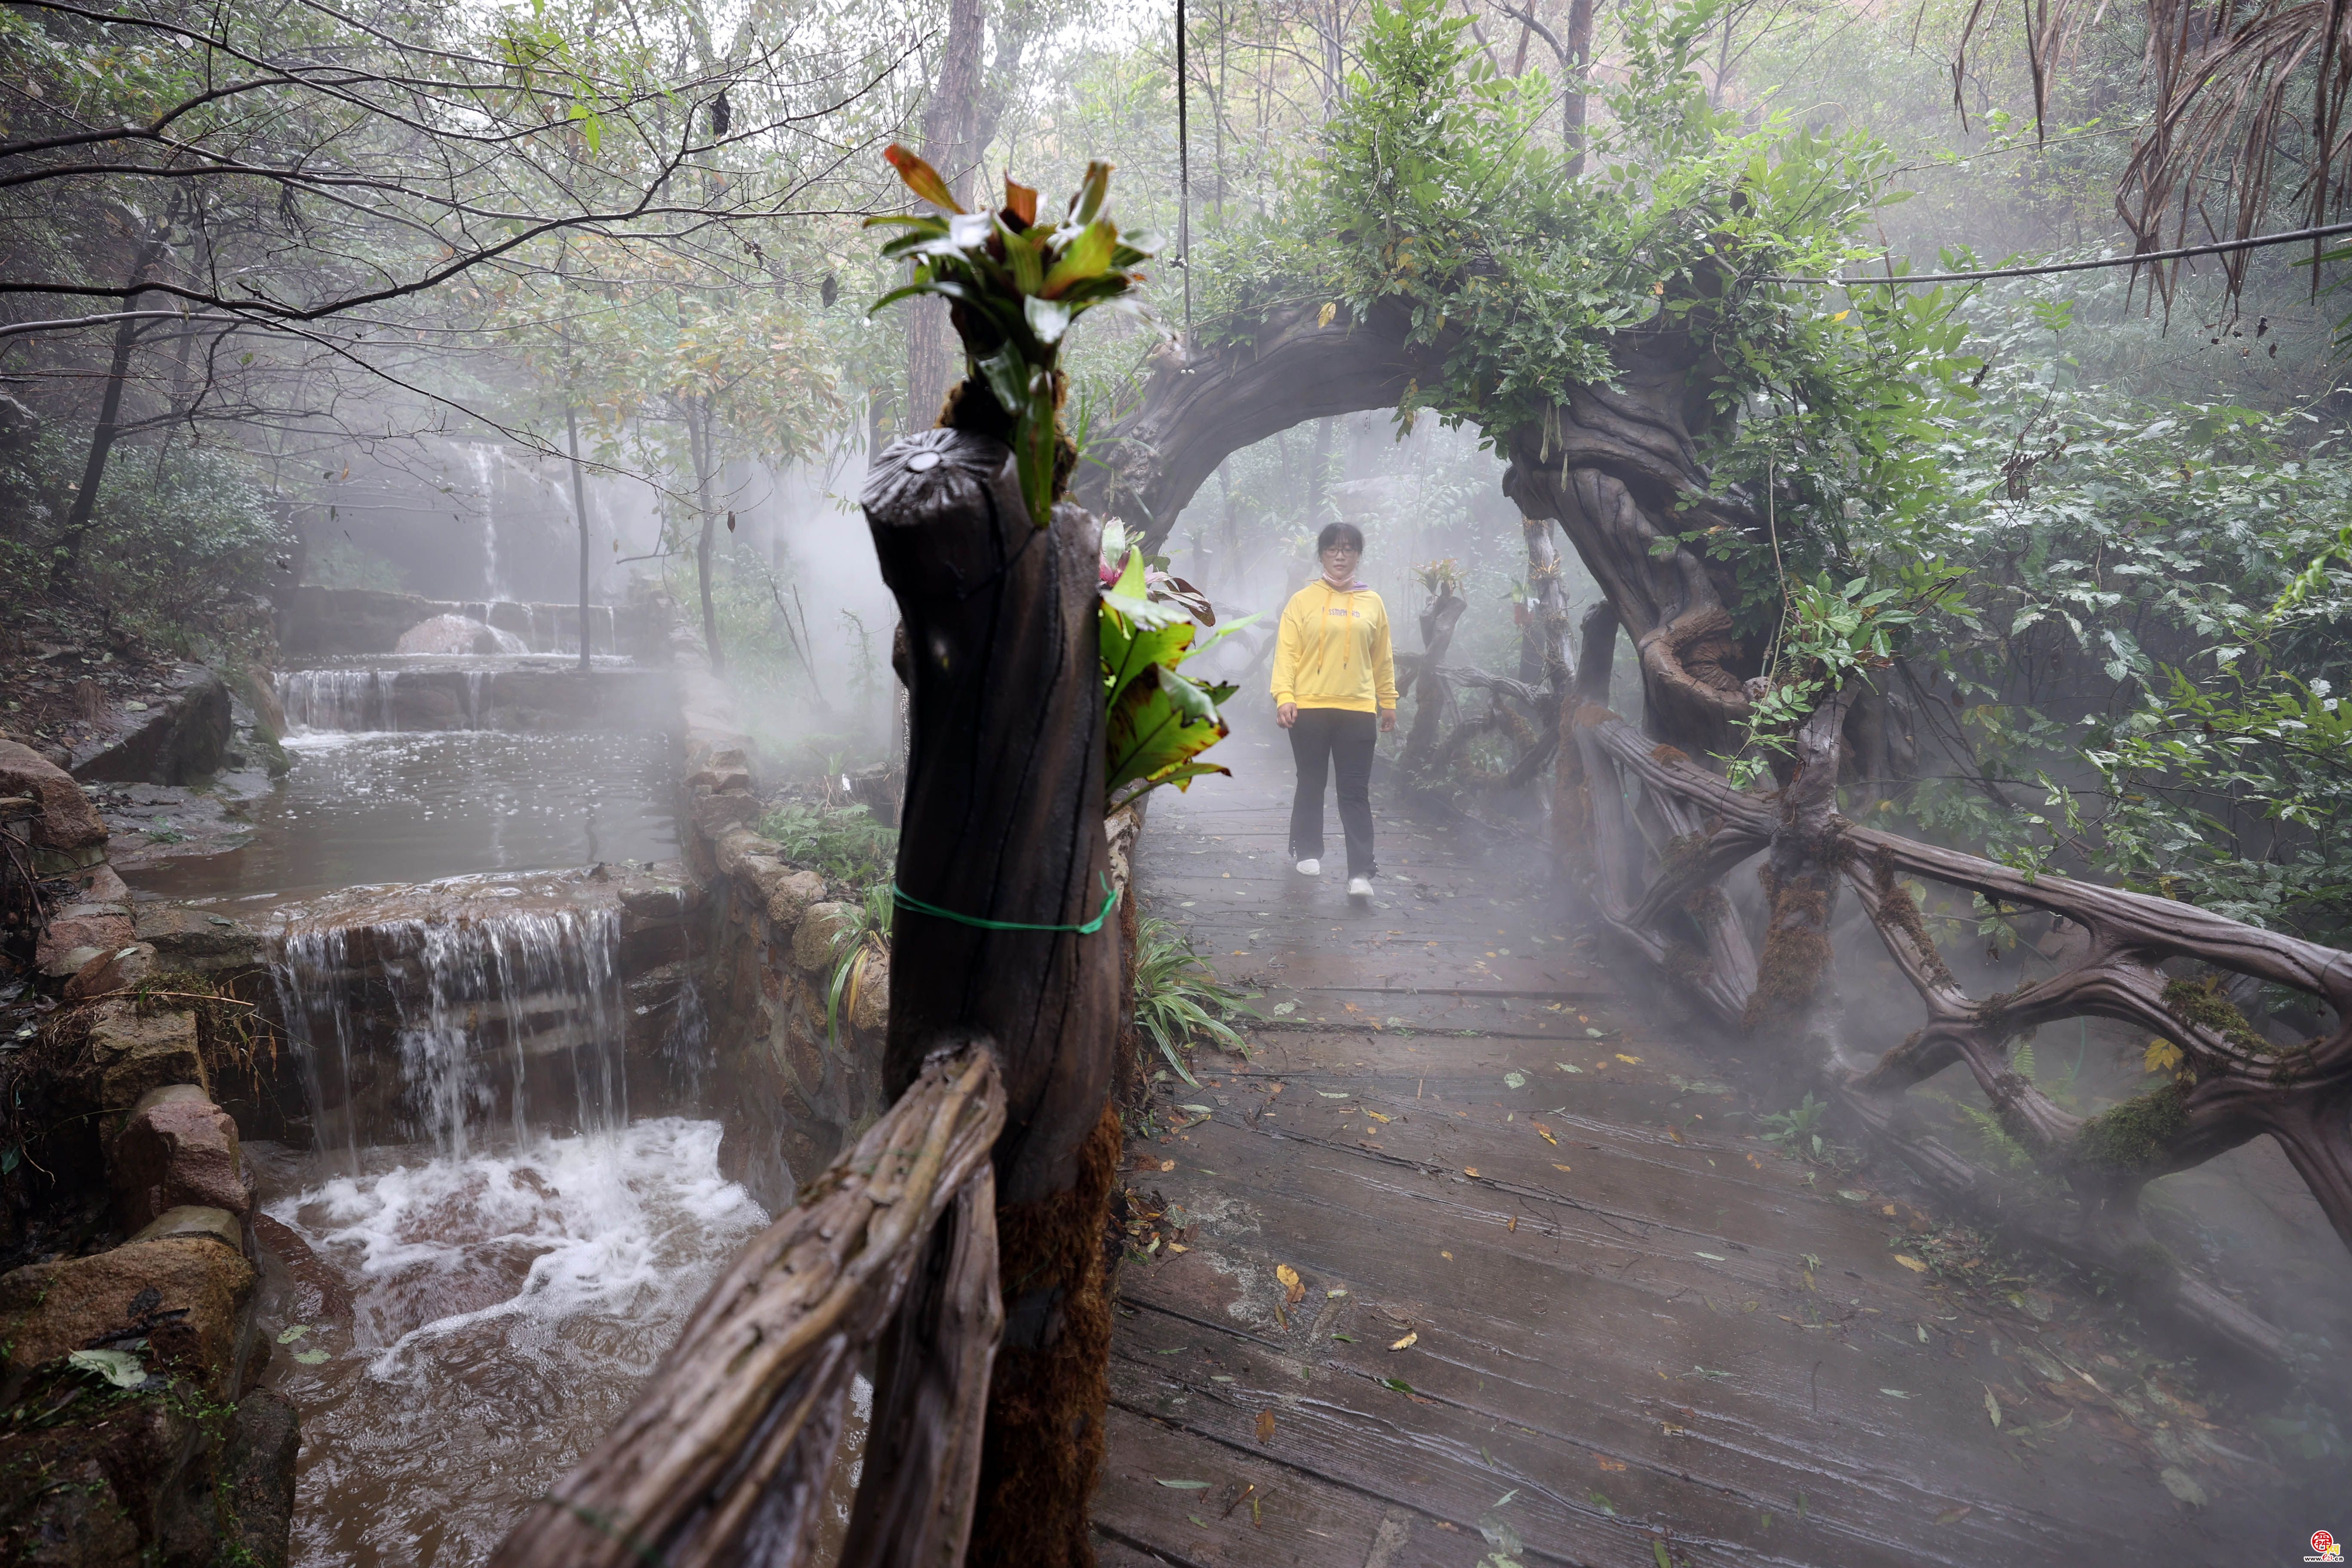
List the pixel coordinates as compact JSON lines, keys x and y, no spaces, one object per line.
{"x":511,"y":1193}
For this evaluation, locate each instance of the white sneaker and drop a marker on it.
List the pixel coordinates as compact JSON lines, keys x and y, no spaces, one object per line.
{"x":1310,"y":867}
{"x":1360,"y":887}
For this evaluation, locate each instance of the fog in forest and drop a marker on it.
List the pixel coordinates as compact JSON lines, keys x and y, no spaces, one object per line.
{"x":1870,"y":744}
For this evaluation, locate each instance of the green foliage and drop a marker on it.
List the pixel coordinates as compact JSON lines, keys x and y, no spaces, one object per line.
{"x":842,"y":842}
{"x":1177,"y":996}
{"x":860,"y":937}
{"x":2136,"y":1134}
{"x":1156,"y":719}
{"x":1798,"y":1129}
{"x":179,"y":532}
{"x":1017,"y":286}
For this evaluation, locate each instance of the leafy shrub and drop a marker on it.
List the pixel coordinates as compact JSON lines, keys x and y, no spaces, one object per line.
{"x":842,"y":842}
{"x":1177,"y":995}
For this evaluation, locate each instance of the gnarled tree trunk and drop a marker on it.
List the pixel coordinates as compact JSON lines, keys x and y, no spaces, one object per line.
{"x":1004,"y":823}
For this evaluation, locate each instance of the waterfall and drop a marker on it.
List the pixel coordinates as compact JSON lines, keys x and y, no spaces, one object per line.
{"x":337,"y":699}
{"x":469,"y":1028}
{"x":480,"y":454}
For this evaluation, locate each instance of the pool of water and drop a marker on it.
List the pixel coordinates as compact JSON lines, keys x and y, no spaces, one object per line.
{"x":503,"y":1308}
{"x":370,"y":807}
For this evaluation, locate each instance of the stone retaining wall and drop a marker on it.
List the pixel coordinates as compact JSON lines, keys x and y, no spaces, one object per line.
{"x":314,"y":622}
{"x":795,"y":1093}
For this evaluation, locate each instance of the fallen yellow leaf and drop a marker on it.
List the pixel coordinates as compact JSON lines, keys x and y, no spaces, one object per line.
{"x":1674,"y":1134}
{"x":1178,"y":1246}
{"x":1407,"y":1341}
{"x":1514,"y":1225}
{"x":1545,"y":1133}
{"x":1558,"y":1167}
{"x":1293,"y":1289}
{"x":1167,"y":1164}
{"x":1265,"y":1426}
{"x":1888,"y":1211}
{"x":1469,"y":1170}
{"x":1376,"y":1116}
{"x":1624,"y":1057}
{"x":1612,"y":1464}
{"x":1913,"y":1264}
{"x":1447,"y":1255}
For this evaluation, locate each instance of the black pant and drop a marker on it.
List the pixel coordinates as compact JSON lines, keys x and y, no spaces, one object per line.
{"x":1334,"y":737}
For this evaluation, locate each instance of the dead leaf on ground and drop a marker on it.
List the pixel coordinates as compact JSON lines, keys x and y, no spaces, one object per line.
{"x":1265,"y":1426}
{"x":1293,"y":1289}
{"x":1624,"y":1057}
{"x":1407,"y":1341}
{"x":1954,"y":1515}
{"x":1911,"y":1263}
{"x":1608,"y":1464}
{"x":1469,"y":1170}
{"x":1167,"y":1164}
{"x":1558,"y":1167}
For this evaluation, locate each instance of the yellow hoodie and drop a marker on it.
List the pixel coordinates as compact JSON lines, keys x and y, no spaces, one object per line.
{"x":1333,"y":650}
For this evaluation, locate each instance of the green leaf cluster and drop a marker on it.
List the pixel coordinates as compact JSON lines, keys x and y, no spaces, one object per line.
{"x":1016,"y":286}
{"x":1157,"y":720}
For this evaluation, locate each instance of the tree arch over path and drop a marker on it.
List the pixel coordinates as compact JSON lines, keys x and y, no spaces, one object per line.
{"x":1616,"y":467}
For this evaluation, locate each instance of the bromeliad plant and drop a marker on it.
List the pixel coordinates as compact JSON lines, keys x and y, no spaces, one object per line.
{"x":1014,"y":286}
{"x":1157,"y":720}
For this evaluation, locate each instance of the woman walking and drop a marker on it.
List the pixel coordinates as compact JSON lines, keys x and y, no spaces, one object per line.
{"x":1335,"y":679}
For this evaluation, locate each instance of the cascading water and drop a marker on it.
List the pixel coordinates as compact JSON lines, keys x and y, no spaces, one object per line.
{"x":458,"y":1030}
{"x":338,"y":699}
{"x":518,"y":1252}
{"x":486,"y":482}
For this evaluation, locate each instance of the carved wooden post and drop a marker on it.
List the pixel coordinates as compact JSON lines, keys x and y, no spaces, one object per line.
{"x":1796,"y":998}
{"x":1003,"y":822}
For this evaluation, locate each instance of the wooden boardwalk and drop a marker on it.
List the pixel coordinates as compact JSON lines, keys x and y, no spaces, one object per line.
{"x":1543,"y":1315}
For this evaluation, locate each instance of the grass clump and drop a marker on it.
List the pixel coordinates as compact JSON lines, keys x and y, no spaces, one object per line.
{"x":1178,"y":996}
{"x":842,"y":842}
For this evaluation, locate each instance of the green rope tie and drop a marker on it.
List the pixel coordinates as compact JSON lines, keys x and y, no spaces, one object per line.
{"x":908,"y":900}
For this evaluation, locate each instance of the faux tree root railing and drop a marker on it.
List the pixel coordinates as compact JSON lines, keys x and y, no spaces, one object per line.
{"x":1653,"y":834}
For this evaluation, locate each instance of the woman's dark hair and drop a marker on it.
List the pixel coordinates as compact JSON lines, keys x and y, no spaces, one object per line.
{"x":1340,"y":533}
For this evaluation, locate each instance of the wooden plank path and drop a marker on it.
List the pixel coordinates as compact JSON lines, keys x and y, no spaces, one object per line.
{"x":1633,"y":1332}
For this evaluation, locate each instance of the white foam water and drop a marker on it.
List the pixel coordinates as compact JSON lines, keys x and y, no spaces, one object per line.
{"x":505,"y":1309}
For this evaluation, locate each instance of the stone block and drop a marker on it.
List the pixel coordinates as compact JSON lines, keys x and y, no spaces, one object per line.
{"x":872,"y":1008}
{"x":103,"y":926}
{"x":713,"y":814}
{"x":257,"y":1475}
{"x":183,"y":1295}
{"x":110,"y":972}
{"x":788,"y":894}
{"x":69,"y":835}
{"x":178,"y":740}
{"x":813,"y":939}
{"x":134,"y":1055}
{"x":176,"y":1147}
{"x":198,"y":940}
{"x":195,"y":1222}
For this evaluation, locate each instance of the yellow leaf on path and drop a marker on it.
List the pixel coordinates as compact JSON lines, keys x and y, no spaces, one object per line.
{"x":1624,"y":1057}
{"x":1610,"y":1464}
{"x":1293,"y":1289}
{"x":1447,"y":1255}
{"x":1178,"y":1246}
{"x":1913,"y":1264}
{"x":1514,"y":1225}
{"x":1265,"y":1426}
{"x":1376,"y":1116}
{"x":1558,"y":1168}
{"x":1675,"y":1133}
{"x":1167,"y":1164}
{"x":1545,"y":1133}
{"x":1407,"y":1341}
{"x":1469,"y":1170}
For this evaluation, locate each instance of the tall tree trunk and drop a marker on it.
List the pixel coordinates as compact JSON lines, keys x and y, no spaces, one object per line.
{"x":67,"y":565}
{"x":1004,"y":823}
{"x":950,"y":121}
{"x":698,"y":447}
{"x":580,"y":505}
{"x":1578,"y":66}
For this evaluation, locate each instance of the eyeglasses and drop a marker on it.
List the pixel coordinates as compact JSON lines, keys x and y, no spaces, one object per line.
{"x":1344,"y":550}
